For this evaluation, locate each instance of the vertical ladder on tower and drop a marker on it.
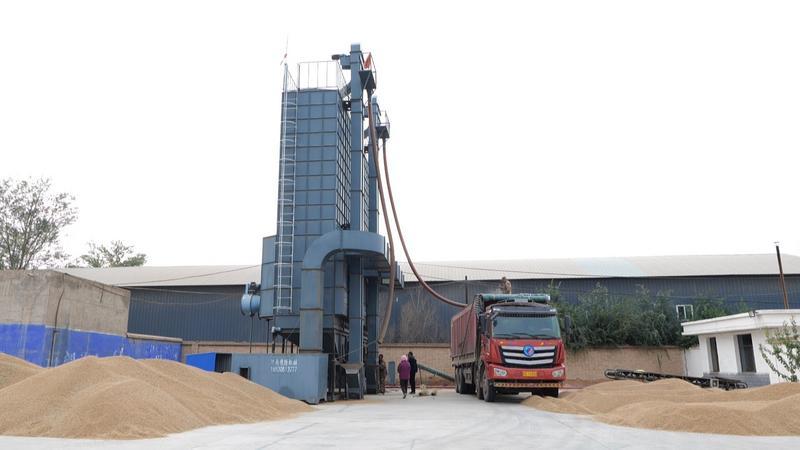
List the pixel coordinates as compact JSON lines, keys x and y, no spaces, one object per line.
{"x":284,"y":241}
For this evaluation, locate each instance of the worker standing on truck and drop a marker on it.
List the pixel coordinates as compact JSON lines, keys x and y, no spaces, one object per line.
{"x":505,"y":286}
{"x":381,"y":374}
{"x":404,"y":369}
{"x":413,"y":363}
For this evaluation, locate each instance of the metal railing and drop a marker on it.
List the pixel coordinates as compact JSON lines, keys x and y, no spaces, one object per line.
{"x":320,"y":75}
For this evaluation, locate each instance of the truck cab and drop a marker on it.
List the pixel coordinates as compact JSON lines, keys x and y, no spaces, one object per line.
{"x":518,"y":346}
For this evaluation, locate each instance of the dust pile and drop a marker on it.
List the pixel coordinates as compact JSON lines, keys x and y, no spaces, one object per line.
{"x":123,"y":398}
{"x":677,"y":405}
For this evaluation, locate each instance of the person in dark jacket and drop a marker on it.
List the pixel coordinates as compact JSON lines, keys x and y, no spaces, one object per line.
{"x":413,"y":363}
{"x":381,"y":374}
{"x":404,"y":369}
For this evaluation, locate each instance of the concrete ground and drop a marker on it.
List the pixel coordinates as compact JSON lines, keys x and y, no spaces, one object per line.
{"x":448,"y":420}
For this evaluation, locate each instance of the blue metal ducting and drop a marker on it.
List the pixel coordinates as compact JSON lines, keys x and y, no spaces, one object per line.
{"x":311,"y":307}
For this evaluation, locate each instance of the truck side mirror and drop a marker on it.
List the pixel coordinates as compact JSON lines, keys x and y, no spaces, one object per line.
{"x":482,"y":323}
{"x":568,"y":325}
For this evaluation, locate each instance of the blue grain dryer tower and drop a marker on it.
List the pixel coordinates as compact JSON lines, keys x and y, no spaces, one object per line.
{"x":322,"y":270}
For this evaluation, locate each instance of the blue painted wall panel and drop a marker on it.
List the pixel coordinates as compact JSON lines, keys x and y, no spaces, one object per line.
{"x":32,"y":343}
{"x":27,"y":341}
{"x":205,"y":361}
{"x":143,"y":349}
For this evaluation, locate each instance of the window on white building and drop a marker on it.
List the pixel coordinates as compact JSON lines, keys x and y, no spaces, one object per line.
{"x":713,"y":355}
{"x":747,"y":359}
{"x":685,"y":312}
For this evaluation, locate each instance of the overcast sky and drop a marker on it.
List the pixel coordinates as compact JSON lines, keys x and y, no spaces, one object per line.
{"x":520,"y":129}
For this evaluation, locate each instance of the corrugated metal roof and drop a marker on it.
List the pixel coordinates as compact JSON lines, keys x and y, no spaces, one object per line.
{"x":637,"y":266}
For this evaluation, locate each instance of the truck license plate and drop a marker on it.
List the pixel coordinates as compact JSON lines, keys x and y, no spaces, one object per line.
{"x":529,"y":373}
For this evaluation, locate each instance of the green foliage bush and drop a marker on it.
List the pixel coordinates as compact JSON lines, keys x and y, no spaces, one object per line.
{"x":602,"y":319}
{"x":782,"y":352}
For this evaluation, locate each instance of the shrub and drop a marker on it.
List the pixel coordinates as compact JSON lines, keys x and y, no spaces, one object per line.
{"x":783,"y":347}
{"x":600,"y":319}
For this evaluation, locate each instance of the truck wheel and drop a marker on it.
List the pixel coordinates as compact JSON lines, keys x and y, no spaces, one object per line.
{"x":488,"y":390}
{"x":461,"y":384}
{"x":479,"y":384}
{"x":468,"y":388}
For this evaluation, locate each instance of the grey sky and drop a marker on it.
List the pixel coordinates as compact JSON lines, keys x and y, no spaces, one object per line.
{"x":520,"y":129}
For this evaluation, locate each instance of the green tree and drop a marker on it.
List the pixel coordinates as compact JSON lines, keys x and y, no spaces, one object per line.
{"x":601,"y":318}
{"x":31,"y":220}
{"x":115,"y":254}
{"x":708,"y":308}
{"x":783,"y":347}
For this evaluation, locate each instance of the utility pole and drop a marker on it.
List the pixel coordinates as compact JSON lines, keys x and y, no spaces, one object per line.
{"x":783,"y":280}
{"x":466,"y":291}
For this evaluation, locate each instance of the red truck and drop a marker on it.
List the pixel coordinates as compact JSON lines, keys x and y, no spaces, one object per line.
{"x":507,"y":344}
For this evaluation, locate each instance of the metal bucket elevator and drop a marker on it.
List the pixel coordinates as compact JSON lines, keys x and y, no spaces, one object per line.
{"x":322,"y":270}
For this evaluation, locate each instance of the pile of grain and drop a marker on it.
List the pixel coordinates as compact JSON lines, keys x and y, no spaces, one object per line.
{"x":13,"y":370}
{"x":123,"y":398}
{"x":680,"y":406}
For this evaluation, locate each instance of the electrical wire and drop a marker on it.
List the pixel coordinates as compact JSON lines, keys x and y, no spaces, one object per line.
{"x":582,"y":275}
{"x":188,"y":276}
{"x":525,"y":271}
{"x":181,"y":304}
{"x":440,"y":281}
{"x":745,"y":297}
{"x":431,"y":276}
{"x":177,"y":291}
{"x":668,"y":296}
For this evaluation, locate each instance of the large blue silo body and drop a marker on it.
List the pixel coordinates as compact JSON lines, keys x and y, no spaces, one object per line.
{"x":322,"y":269}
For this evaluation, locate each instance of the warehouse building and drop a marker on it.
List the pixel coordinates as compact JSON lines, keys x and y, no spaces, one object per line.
{"x":200,"y":304}
{"x":49,"y":318}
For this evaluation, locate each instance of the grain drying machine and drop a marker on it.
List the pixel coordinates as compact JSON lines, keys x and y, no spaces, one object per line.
{"x":322,"y":270}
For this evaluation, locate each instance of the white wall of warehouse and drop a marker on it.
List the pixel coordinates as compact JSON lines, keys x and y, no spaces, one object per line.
{"x":725,"y":330}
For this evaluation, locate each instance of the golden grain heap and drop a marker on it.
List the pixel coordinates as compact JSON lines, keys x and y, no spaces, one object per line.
{"x":680,"y":406}
{"x":123,"y":398}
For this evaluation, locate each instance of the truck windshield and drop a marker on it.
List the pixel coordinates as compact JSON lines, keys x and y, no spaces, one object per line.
{"x":536,"y":327}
